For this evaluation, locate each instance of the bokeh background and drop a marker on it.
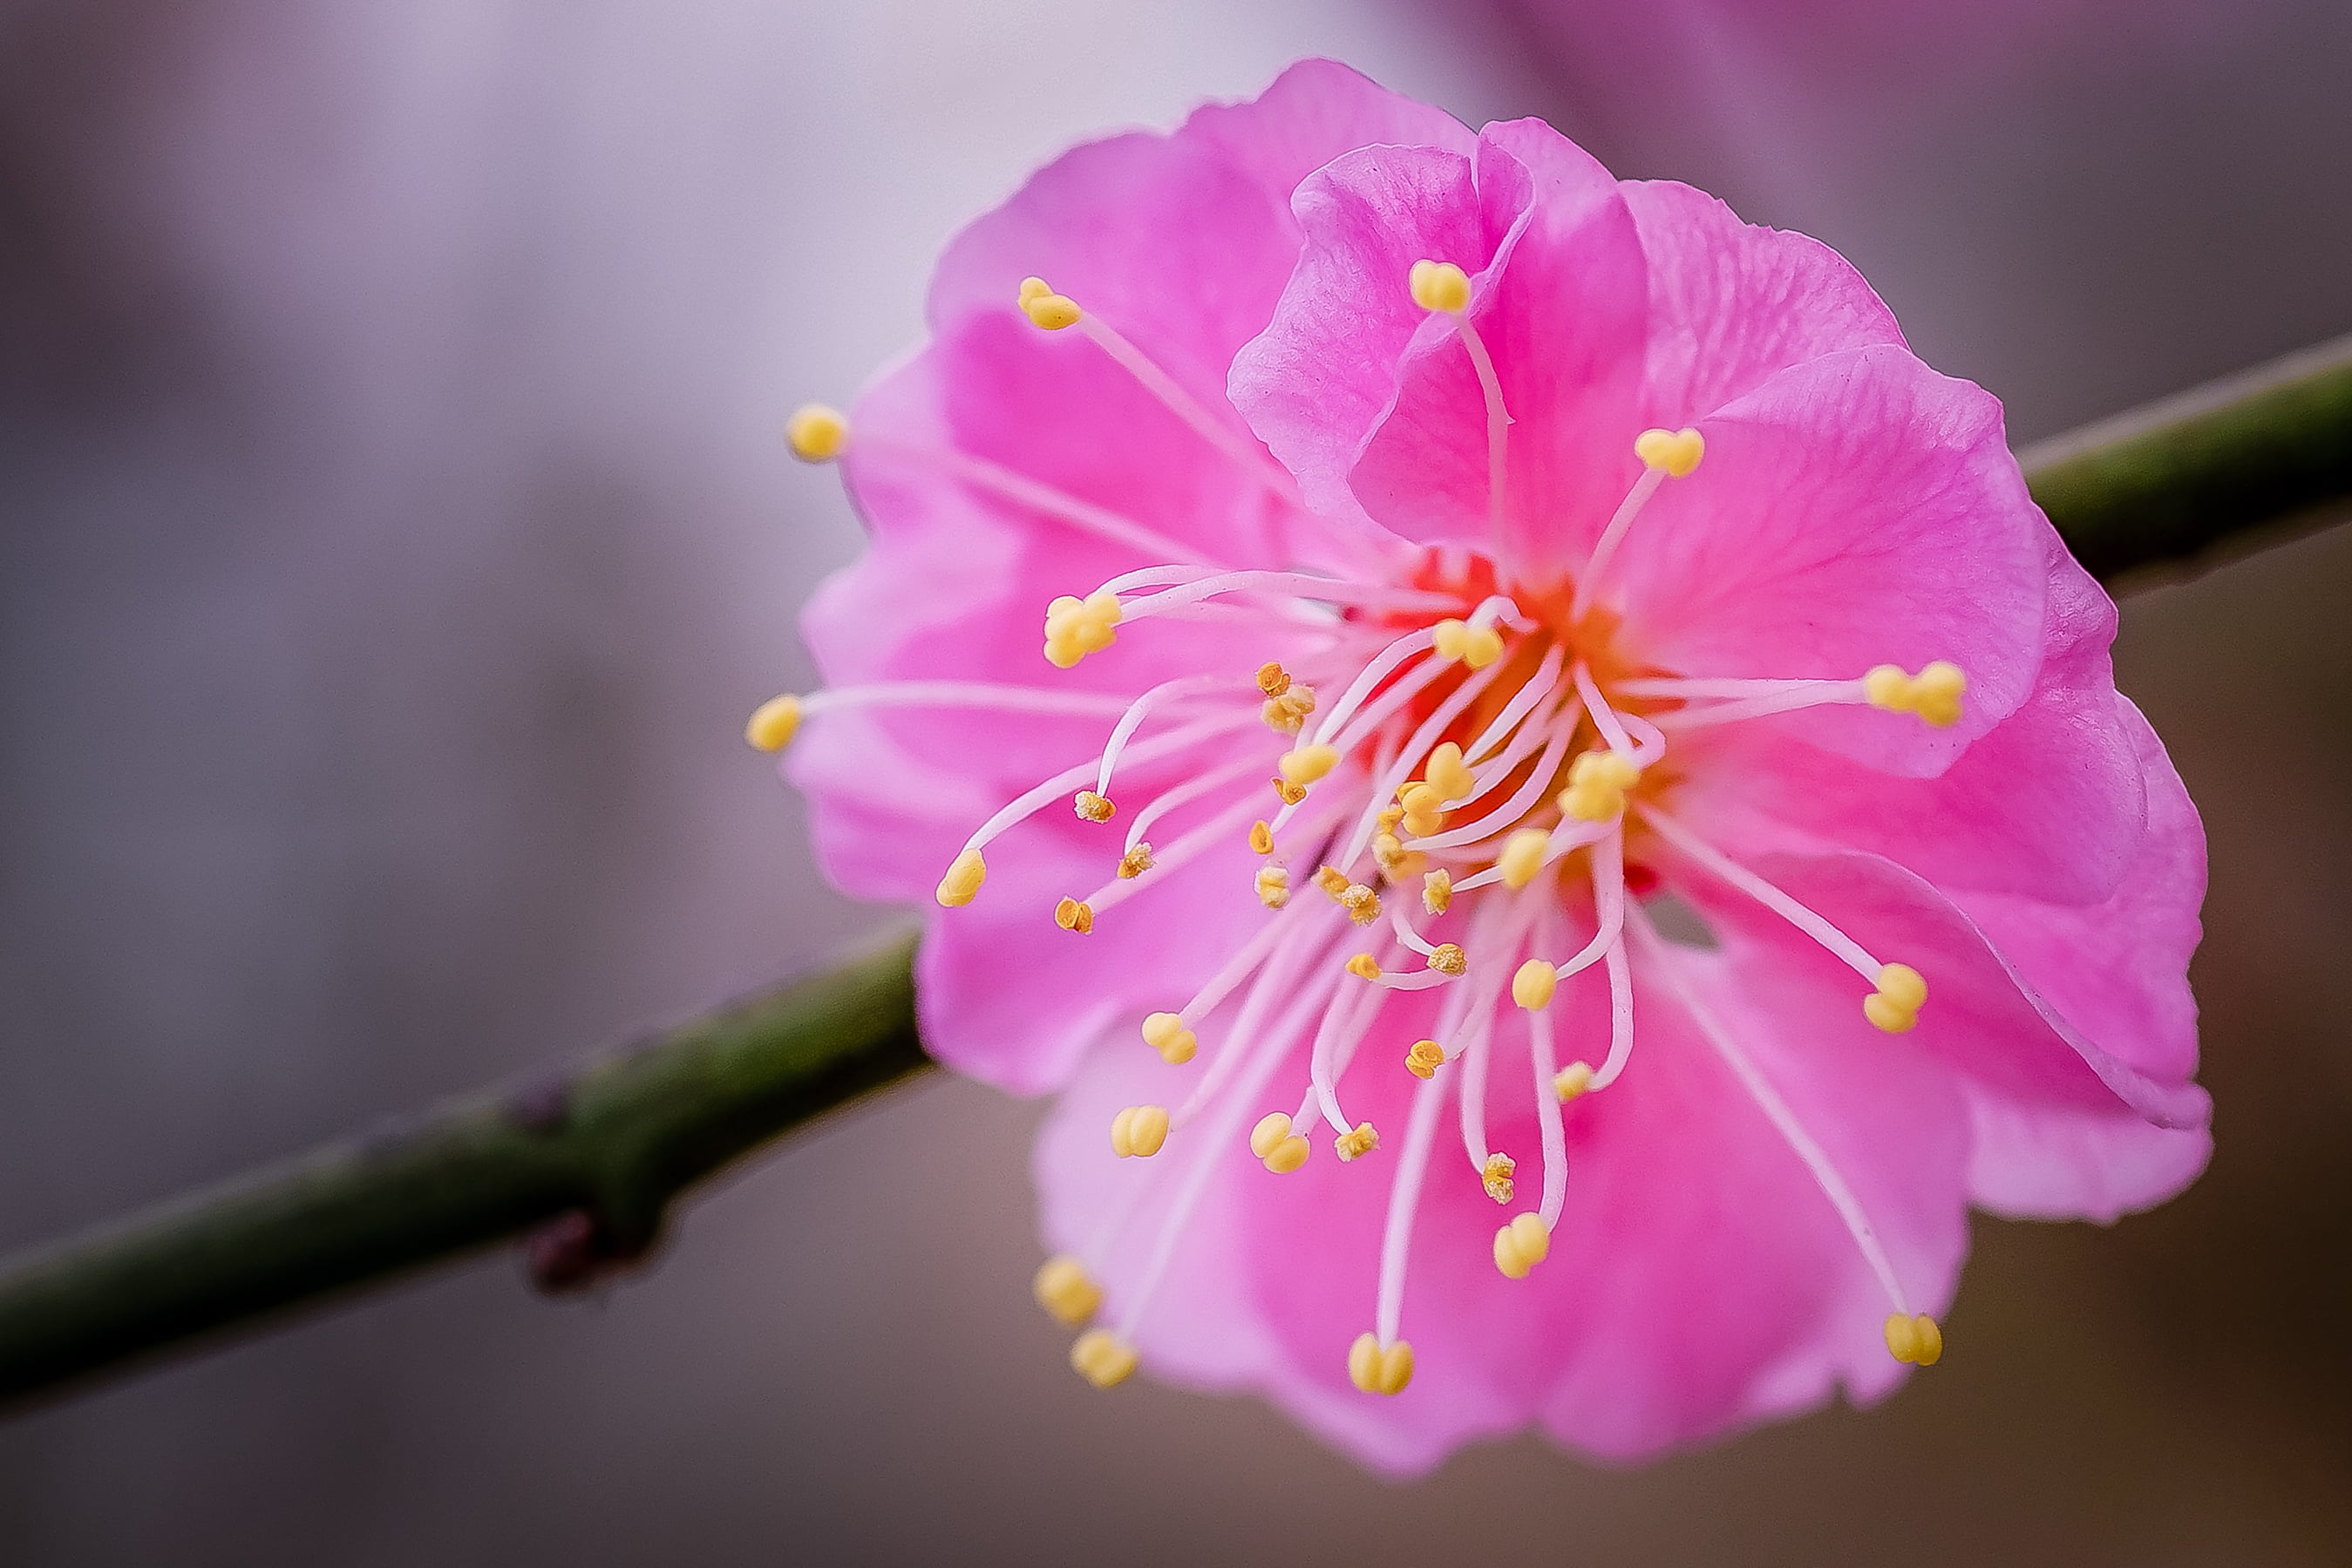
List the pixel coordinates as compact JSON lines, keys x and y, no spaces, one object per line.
{"x":394,"y":529}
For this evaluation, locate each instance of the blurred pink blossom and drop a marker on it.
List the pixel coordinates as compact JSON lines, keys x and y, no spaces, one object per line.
{"x":1531,"y":663}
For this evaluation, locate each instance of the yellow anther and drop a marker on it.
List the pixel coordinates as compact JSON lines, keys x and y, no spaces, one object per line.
{"x":1377,"y":1368}
{"x":1448,"y":958}
{"x":1075,"y":627}
{"x":1495,"y":1175}
{"x":1290,"y":794}
{"x":1063,"y":1288}
{"x":1894,"y":1006}
{"x":1308,"y":763}
{"x":1102,"y":1358}
{"x":1598,"y":782}
{"x":1421,"y":809}
{"x":1267,"y":1135}
{"x":1166,"y":1033}
{"x":1572,"y":1081}
{"x":816,"y":434}
{"x":1139,"y":1131}
{"x":1448,"y":774}
{"x":1093,"y":808}
{"x":1522,"y":856}
{"x":1273,"y":1141}
{"x":1397,"y":862}
{"x":1071,"y":914}
{"x":1273,"y":679}
{"x":1273,"y":886}
{"x":1522,"y":1244}
{"x":1362,"y":904}
{"x":1934,"y":693}
{"x":1261,"y":837}
{"x":1287,"y":713}
{"x":1533,"y":985}
{"x":1449,"y":638}
{"x":965,"y":875}
{"x":1364,"y":966}
{"x":1136,"y":861}
{"x":773,"y":722}
{"x":1439,"y":286}
{"x":1437,"y":890}
{"x":1675,"y":451}
{"x":1048,"y":309}
{"x":1424,"y":1058}
{"x":1476,"y":646}
{"x":1356,"y":1145}
{"x":1332,"y":880}
{"x":1915,"y":1339}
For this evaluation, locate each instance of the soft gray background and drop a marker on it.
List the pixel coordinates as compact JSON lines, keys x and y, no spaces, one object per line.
{"x":393,"y":531}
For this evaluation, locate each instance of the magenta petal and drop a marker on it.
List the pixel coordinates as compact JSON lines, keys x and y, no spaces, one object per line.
{"x":2118,"y":970}
{"x":1983,"y":1017}
{"x":2046,"y":1162}
{"x":2048,"y":805}
{"x":1734,"y":304}
{"x":1315,"y":383}
{"x":1315,"y":112}
{"x":1856,"y":510}
{"x":1562,"y":309}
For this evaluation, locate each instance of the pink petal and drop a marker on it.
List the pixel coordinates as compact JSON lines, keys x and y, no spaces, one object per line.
{"x":1858,"y":509}
{"x":1315,"y":112}
{"x":2048,"y":805}
{"x":1733,"y":304}
{"x":1983,"y":1017}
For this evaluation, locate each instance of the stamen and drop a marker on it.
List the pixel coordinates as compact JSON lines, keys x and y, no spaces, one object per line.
{"x":1784,"y":1121}
{"x":1273,"y":886}
{"x":1572,"y":1082}
{"x":1136,"y":861}
{"x":1437,"y":890}
{"x":1424,"y":1058}
{"x":1075,"y":627}
{"x":1282,"y":1150}
{"x":1064,"y":1289}
{"x":1336,"y":1042}
{"x":1166,"y":1033}
{"x":1934,"y":693}
{"x":1915,"y":1339}
{"x":1029,"y":802}
{"x":1385,"y":786}
{"x":1498,"y":1177}
{"x":1380,"y":1368}
{"x":1186,"y":793}
{"x":1555,"y":742}
{"x":1396,"y":1233}
{"x":1130,"y":721}
{"x":1213,"y":1147}
{"x":1541,"y":687}
{"x":1090,"y":807}
{"x":1440,"y":286}
{"x":816,"y":434}
{"x":1548,"y":1118}
{"x":1299,"y":970}
{"x":1003,"y":483}
{"x":772,"y":724}
{"x":1074,"y":915}
{"x":1598,"y":783}
{"x":1139,"y":1131}
{"x":1356,"y":1142}
{"x":1165,"y":387}
{"x":1663,"y":454}
{"x":1217,"y":830}
{"x":1102,"y":1358}
{"x":1898,"y":989}
{"x":1522,"y":1244}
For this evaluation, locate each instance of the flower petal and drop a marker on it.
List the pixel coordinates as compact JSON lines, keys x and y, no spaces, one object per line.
{"x":1855,"y":510}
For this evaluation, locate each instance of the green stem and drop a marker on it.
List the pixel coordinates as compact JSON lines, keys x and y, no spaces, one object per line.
{"x":594,"y":1158}
{"x":589,"y":1165}
{"x":2258,"y":454}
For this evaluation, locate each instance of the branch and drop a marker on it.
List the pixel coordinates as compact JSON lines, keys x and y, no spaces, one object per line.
{"x":2265,"y":453}
{"x":593,"y":1159}
{"x":587,"y":1167}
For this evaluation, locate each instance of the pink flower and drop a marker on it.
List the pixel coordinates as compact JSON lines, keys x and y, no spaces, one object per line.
{"x":1463,"y":577}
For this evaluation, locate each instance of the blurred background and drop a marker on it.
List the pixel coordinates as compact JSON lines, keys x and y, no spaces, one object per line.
{"x":394,"y":530}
